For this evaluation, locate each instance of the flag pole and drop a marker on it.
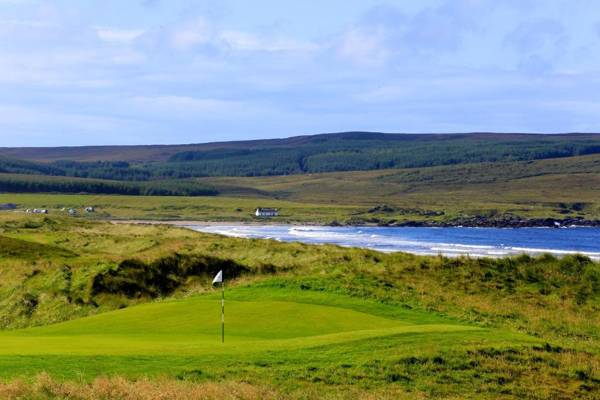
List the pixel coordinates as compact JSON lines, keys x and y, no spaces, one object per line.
{"x":223,"y":311}
{"x":219,"y":279}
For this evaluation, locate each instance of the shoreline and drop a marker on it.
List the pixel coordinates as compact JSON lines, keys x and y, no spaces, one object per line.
{"x":431,"y":243}
{"x":467,"y":223}
{"x":422,"y":248}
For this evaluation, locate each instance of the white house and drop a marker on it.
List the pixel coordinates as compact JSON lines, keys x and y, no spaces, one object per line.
{"x":266,"y":212}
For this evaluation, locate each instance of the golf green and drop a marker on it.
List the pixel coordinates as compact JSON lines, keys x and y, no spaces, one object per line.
{"x":192,"y":327}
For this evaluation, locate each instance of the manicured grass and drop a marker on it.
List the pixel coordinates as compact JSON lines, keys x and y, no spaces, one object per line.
{"x":183,"y":332}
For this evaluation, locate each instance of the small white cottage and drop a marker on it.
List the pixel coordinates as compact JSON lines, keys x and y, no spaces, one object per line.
{"x":266,"y":212}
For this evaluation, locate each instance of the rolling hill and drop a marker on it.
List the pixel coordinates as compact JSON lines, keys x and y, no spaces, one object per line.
{"x":347,"y":151}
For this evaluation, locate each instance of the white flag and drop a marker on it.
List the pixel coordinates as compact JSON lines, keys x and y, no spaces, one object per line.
{"x":218,"y":278}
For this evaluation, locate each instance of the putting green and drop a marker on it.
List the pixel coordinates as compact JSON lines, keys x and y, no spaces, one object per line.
{"x":192,"y":327}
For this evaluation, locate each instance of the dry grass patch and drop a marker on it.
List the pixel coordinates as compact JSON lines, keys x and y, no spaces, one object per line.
{"x":118,"y":388}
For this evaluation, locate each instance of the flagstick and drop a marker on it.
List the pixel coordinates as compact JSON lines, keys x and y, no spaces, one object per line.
{"x":223,"y":311}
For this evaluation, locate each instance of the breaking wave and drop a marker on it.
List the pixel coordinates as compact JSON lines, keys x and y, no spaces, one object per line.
{"x":458,"y":241}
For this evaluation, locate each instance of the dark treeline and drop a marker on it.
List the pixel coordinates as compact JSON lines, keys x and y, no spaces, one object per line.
{"x":12,"y":166}
{"x":42,"y":184}
{"x":339,"y":153}
{"x":114,"y":170}
{"x":324,"y":153}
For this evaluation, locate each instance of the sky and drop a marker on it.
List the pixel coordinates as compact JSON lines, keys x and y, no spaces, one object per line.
{"x":86,"y":72}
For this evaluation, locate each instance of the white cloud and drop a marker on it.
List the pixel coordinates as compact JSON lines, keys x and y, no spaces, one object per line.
{"x":364,"y":48}
{"x":190,"y":34}
{"x":246,"y":41}
{"x":26,"y":23}
{"x":118,"y":36}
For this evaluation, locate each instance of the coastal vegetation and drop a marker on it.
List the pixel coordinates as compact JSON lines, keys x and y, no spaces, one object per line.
{"x":87,"y":306}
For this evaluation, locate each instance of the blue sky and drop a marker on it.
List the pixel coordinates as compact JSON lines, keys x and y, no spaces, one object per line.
{"x":183,"y":71}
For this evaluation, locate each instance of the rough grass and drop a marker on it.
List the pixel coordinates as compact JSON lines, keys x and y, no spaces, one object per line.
{"x":117,"y":388}
{"x":539,"y":372}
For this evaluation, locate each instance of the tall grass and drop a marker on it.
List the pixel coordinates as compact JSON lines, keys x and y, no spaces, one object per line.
{"x":117,"y":388}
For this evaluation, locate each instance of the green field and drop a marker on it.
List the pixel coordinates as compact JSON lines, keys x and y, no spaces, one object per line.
{"x":92,"y":307}
{"x":179,"y":207}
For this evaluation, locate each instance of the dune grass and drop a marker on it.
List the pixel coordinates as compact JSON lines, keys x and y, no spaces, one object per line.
{"x":117,"y":388}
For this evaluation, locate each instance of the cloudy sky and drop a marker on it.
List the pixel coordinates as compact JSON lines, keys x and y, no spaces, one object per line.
{"x":180,"y":71}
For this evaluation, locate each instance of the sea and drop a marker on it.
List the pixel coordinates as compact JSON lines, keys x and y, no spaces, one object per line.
{"x":448,"y":241}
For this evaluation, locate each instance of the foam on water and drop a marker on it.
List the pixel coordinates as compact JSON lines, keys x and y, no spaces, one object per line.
{"x":475,"y":242}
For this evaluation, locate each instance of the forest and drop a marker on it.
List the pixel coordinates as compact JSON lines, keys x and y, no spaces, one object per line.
{"x":351,"y":151}
{"x":14,"y":183}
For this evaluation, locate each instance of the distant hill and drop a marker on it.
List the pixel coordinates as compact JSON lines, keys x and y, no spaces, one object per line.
{"x":348,"y":151}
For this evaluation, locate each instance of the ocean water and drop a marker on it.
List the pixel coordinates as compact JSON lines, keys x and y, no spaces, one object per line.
{"x":476,"y":242}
